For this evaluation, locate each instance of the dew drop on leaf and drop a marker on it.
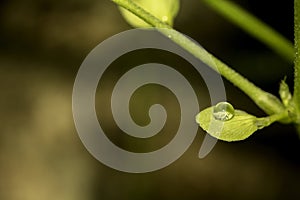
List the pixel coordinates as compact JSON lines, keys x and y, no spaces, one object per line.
{"x":165,"y":18}
{"x":223,"y":111}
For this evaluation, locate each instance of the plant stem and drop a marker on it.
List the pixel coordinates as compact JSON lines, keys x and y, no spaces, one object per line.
{"x":266,"y":101}
{"x":278,"y":117}
{"x":297,"y":57}
{"x":266,"y":121}
{"x":254,"y":27}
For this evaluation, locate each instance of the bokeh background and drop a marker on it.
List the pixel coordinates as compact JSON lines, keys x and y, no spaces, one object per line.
{"x":42,"y":45}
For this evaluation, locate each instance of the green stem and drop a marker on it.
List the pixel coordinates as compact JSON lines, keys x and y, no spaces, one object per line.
{"x":266,"y":121}
{"x":254,"y":27}
{"x":297,"y":57}
{"x":278,"y":117}
{"x":266,"y":101}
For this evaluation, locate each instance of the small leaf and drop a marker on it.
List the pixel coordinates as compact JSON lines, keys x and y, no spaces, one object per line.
{"x":240,"y":127}
{"x":165,"y":10}
{"x":285,"y":93}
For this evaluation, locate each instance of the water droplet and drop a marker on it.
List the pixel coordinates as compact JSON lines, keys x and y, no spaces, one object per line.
{"x":223,"y":111}
{"x":164,"y":18}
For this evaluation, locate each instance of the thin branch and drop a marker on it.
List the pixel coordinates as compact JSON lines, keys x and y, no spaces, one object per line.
{"x":297,"y":55}
{"x":266,"y":101}
{"x":254,"y":27}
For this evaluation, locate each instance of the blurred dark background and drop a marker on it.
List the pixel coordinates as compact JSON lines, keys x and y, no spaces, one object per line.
{"x":42,"y":45}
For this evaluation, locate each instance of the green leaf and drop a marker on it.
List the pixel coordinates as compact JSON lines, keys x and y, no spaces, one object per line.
{"x":219,"y":122}
{"x":165,"y":10}
{"x":287,"y":100}
{"x":240,"y":127}
{"x":285,"y":93}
